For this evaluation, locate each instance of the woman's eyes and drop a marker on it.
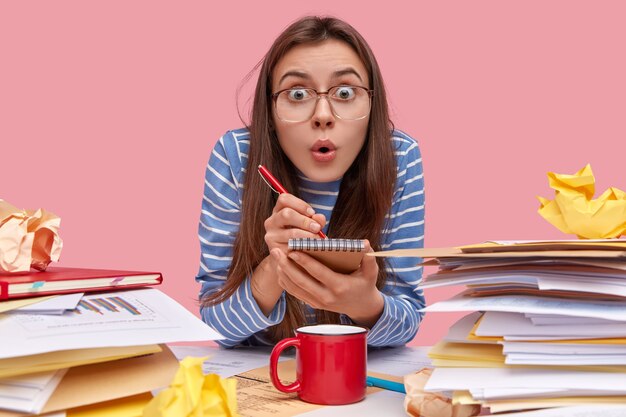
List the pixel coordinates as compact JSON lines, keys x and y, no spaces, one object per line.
{"x":341,"y":93}
{"x":298,"y":94}
{"x":344,"y":93}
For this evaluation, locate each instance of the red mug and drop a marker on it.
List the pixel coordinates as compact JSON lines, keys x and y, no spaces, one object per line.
{"x":331,"y":364}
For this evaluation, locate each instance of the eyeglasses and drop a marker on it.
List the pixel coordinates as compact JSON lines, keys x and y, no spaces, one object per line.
{"x":347,"y":102}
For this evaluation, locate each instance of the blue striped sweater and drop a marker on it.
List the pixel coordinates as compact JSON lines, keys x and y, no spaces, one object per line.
{"x":239,"y":318}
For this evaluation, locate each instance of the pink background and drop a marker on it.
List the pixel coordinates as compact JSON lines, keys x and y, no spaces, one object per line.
{"x":109,"y":110}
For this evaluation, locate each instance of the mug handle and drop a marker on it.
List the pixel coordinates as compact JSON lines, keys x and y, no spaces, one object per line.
{"x":280,"y":346}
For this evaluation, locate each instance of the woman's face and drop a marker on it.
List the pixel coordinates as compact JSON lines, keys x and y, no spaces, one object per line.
{"x":325,"y":146}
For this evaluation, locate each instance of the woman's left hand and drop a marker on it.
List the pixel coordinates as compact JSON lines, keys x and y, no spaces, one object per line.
{"x":320,"y":287}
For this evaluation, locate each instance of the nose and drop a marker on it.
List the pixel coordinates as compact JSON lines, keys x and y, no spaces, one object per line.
{"x":323,"y":116}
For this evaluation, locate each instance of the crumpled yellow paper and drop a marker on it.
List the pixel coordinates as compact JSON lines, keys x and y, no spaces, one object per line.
{"x":574,"y":210}
{"x":419,"y":403}
{"x":28,"y":239}
{"x":192,"y":393}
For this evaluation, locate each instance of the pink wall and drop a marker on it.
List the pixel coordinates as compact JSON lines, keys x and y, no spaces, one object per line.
{"x":108,"y":112}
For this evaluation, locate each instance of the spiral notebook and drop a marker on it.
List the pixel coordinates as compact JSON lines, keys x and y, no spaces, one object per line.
{"x":340,"y":255}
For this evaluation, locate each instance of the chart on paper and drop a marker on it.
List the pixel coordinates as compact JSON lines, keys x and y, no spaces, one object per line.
{"x":92,"y":312}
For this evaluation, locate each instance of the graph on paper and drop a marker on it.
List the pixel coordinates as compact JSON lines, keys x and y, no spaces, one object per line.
{"x":97,"y":312}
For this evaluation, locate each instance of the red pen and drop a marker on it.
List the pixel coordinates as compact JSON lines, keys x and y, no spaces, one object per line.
{"x":276,"y":186}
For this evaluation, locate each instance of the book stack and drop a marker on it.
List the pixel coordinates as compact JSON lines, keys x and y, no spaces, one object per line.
{"x":63,"y":349}
{"x":547,"y":328}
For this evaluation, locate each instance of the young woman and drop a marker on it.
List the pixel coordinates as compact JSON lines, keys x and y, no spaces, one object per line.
{"x":320,"y":124}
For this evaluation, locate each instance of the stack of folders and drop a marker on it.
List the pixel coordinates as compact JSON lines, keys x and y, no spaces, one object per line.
{"x":548,"y":327}
{"x":98,"y":350}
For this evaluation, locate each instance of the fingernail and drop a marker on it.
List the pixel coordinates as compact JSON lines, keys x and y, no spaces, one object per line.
{"x":315,"y":227}
{"x":294,"y":256}
{"x":310,"y":211}
{"x":275,"y":253}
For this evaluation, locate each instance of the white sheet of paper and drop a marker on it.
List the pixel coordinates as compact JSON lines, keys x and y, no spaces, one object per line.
{"x":56,"y":305}
{"x":137,"y":317}
{"x":578,"y":411}
{"x":444,"y":379}
{"x":398,"y":361}
{"x":383,"y":403}
{"x":459,"y":331}
{"x":229,"y":362}
{"x":557,"y":320}
{"x":29,"y":393}
{"x":562,"y":348}
{"x":516,"y":393}
{"x":495,"y":323}
{"x":530,"y":304}
{"x":560,"y":359}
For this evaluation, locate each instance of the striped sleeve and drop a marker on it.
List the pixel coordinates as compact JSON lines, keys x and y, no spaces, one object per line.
{"x":239,"y":317}
{"x":401,"y":319}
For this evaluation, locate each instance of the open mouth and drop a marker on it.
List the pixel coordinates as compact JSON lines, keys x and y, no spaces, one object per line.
{"x":323,"y":151}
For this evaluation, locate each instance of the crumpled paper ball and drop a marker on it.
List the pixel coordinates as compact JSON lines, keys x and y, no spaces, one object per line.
{"x":28,"y":239}
{"x":193,"y":394}
{"x":574,"y":211}
{"x":419,"y":403}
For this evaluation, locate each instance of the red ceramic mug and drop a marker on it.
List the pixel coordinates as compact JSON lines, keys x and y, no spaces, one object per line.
{"x":331,"y":364}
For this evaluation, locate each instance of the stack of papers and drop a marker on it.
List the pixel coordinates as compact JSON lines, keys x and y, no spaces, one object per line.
{"x":548,"y":327}
{"x":75,"y":351}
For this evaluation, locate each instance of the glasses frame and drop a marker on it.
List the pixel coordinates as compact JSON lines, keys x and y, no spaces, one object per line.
{"x":319,"y":95}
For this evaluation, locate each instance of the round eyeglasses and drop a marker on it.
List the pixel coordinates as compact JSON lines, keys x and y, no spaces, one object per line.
{"x":347,"y":102}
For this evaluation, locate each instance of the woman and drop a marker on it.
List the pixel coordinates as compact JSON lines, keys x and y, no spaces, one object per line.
{"x":320,"y":124}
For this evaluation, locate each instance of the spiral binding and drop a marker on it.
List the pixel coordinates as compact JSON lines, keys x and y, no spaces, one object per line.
{"x":337,"y":245}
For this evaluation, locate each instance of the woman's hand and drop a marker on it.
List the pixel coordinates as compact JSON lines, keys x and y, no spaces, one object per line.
{"x":312,"y":282}
{"x":291,"y":218}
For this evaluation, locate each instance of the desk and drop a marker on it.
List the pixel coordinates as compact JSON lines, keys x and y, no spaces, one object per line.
{"x":393,"y":361}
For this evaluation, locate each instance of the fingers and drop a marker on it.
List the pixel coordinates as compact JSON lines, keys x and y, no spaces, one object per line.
{"x":368,"y":263}
{"x":289,"y":218}
{"x":314,"y":268}
{"x":296,"y":282}
{"x":293,"y":202}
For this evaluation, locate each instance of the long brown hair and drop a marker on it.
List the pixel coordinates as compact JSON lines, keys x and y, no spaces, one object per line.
{"x":366,"y":188}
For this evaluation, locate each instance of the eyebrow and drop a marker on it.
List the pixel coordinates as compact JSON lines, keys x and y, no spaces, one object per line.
{"x":305,"y":76}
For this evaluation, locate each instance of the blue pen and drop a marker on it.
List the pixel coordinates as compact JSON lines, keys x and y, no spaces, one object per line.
{"x":370,"y":381}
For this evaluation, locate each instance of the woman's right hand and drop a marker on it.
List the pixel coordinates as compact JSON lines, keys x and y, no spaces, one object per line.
{"x":291,"y":218}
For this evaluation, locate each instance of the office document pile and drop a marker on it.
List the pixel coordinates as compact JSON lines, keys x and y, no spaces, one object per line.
{"x":70,"y":351}
{"x":547,"y":328}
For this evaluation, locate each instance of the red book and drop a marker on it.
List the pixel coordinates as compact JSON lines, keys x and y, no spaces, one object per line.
{"x":57,"y":280}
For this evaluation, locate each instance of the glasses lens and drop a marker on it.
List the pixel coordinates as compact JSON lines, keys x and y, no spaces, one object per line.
{"x":296,"y":105}
{"x":347,"y":102}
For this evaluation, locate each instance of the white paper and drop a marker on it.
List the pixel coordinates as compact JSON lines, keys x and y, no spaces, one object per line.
{"x":488,"y":394}
{"x":557,"y":320}
{"x":382,"y":403}
{"x":504,"y":324}
{"x":577,"y":411}
{"x":229,"y":362}
{"x":56,"y":305}
{"x":29,"y":393}
{"x":444,"y":379}
{"x":522,"y":242}
{"x":529,"y":304}
{"x":562,"y":348}
{"x":181,"y":352}
{"x":459,"y":331}
{"x":149,"y":317}
{"x":561,"y":360}
{"x":398,"y":361}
